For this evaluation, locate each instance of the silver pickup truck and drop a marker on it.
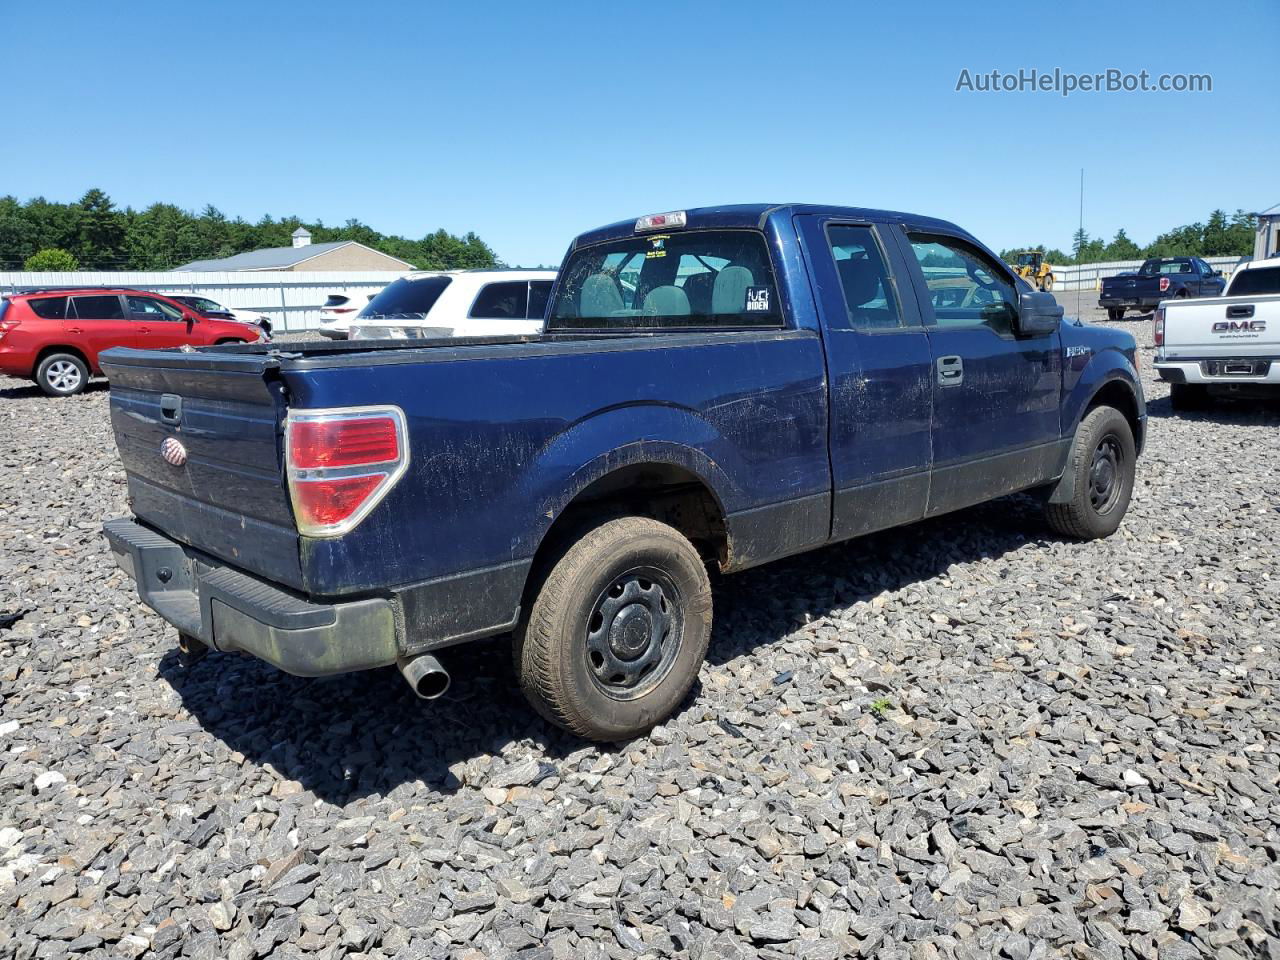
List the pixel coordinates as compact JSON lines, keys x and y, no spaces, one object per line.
{"x":1223,"y":346}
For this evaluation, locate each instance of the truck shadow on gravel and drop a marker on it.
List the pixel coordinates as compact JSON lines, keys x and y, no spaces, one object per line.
{"x":361,"y":735}
{"x":31,"y":391}
{"x":1243,"y":412}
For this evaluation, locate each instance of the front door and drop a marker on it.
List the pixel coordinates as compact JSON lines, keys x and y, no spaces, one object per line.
{"x":879,"y":369}
{"x":996,"y":395}
{"x":96,"y":323}
{"x":157,"y":323}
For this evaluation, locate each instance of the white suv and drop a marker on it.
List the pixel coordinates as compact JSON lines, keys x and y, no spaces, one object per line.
{"x":469,"y":303}
{"x":339,"y":310}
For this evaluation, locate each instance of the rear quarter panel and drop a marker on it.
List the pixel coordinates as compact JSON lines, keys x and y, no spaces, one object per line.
{"x":502,"y":439}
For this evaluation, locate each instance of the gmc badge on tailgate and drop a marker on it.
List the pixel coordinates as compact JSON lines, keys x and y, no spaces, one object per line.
{"x":1240,"y":326}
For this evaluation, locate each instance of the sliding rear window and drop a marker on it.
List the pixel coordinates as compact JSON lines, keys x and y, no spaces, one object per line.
{"x":694,"y":279}
{"x":1256,"y":282}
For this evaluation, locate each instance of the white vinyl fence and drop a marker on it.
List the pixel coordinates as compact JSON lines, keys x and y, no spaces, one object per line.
{"x":1089,"y":276}
{"x":292,"y":300}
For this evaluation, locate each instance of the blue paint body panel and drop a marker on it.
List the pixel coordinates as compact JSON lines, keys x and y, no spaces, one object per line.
{"x":803,"y":434}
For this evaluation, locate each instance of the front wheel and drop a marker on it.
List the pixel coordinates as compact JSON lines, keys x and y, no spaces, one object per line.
{"x":1100,"y":470}
{"x":618,"y":630}
{"x":1047,"y":285}
{"x":62,"y":375}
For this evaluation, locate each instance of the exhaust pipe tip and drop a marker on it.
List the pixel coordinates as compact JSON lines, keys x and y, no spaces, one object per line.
{"x":425,"y":674}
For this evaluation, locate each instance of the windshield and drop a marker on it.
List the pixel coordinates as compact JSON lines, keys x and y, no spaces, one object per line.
{"x":1255,"y":282}
{"x":202,"y":304}
{"x":406,"y":297}
{"x":699,"y":278}
{"x":1026,"y":259}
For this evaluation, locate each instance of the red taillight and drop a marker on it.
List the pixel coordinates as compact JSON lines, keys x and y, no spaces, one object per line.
{"x":341,"y":463}
{"x":1164,"y":284}
{"x":341,"y":309}
{"x":343,"y":443}
{"x":6,"y":326}
{"x":1159,"y":327}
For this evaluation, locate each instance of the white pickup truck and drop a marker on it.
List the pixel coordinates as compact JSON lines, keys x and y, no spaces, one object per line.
{"x":1223,"y":346}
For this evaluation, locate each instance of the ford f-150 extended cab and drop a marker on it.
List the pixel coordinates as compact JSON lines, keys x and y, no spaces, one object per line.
{"x":1223,"y":346}
{"x":714,"y":388}
{"x":1170,"y":278}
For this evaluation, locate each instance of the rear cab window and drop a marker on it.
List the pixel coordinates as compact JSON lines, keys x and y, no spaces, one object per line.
{"x":1259,"y":281}
{"x":694,"y":279}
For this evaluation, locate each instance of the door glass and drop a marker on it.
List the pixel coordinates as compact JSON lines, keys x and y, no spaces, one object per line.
{"x":502,"y":301}
{"x":864,"y":278}
{"x":965,"y":287}
{"x":98,"y":308}
{"x":144,"y":308}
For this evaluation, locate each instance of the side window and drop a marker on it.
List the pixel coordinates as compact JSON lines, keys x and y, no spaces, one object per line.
{"x":502,"y":301}
{"x":539,"y":292}
{"x":49,"y":308}
{"x":967,"y":289}
{"x":147,"y":309}
{"x":864,"y":278}
{"x":98,"y":308}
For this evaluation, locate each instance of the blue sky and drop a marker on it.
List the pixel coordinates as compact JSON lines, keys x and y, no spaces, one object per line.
{"x":530,"y":123}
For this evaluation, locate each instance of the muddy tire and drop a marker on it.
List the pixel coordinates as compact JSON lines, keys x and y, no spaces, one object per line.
{"x":62,"y":375}
{"x":618,"y":630}
{"x":1101,"y":468}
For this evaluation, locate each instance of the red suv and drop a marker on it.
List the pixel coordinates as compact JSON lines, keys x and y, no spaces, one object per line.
{"x":54,"y":336}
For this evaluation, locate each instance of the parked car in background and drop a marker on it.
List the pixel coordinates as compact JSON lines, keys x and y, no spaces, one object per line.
{"x":216,"y":311}
{"x":338,"y":310}
{"x":470,"y":303}
{"x":1223,"y":346}
{"x":716,"y":388}
{"x":1159,"y":278}
{"x":54,"y":337}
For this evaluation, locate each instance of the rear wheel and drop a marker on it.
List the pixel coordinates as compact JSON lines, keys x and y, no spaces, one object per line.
{"x":618,"y":630}
{"x":1115,"y":313}
{"x":62,"y":375}
{"x":1101,"y":472}
{"x":1047,"y":286}
{"x":1188,"y":396}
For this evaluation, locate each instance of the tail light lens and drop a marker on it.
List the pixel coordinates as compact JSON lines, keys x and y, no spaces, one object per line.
{"x":1159,"y":328}
{"x":1164,"y":284}
{"x":6,"y":326}
{"x":341,"y":463}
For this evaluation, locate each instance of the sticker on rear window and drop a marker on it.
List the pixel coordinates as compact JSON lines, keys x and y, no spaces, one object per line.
{"x":757,"y":299}
{"x":657,"y":246}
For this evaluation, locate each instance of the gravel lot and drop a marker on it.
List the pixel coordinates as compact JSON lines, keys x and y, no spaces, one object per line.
{"x":967,"y":739}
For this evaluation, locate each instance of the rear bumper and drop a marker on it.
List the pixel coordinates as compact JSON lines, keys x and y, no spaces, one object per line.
{"x":1132,"y":303}
{"x":1194,"y":371}
{"x":233,"y":611}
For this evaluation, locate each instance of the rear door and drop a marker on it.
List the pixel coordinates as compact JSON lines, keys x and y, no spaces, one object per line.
{"x":97,"y":322}
{"x":879,"y":368}
{"x":157,"y":323}
{"x":996,"y":395}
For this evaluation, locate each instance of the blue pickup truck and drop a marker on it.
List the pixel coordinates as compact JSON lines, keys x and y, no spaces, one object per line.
{"x":715,"y":389}
{"x":1159,"y":278}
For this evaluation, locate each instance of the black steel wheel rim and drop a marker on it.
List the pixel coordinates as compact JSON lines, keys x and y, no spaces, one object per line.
{"x":1106,"y":474}
{"x":634,"y":633}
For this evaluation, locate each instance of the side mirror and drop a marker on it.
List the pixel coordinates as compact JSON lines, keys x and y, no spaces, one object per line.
{"x":1038,"y":314}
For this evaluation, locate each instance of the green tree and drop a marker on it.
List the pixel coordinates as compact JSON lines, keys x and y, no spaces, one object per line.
{"x":1122,"y":248}
{"x":51,"y":260}
{"x":101,"y":241}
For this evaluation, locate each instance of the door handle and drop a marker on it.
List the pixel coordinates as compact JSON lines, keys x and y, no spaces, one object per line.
{"x":144,"y":329}
{"x":950,"y":371}
{"x":75,"y":330}
{"x":1240,"y":311}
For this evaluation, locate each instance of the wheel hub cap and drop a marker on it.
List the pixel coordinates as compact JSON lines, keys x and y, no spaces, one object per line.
{"x":634,"y":633}
{"x":1104,"y":472}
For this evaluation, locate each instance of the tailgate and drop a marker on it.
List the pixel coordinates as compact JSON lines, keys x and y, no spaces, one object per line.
{"x":1222,"y":327}
{"x":1133,"y":286}
{"x":225,"y":406}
